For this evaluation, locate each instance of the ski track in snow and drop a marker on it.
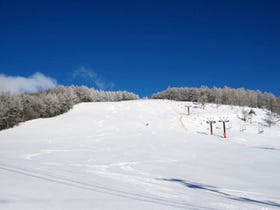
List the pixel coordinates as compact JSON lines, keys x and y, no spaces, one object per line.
{"x":50,"y":151}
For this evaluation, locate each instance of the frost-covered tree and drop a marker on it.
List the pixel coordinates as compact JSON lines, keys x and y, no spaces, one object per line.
{"x":244,"y":115}
{"x":224,"y":95}
{"x":19,"y":108}
{"x":203,"y":96}
{"x":271,"y":118}
{"x":11,"y":110}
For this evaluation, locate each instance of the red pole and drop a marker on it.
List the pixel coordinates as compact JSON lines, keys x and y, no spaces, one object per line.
{"x":211,"y":128}
{"x":224,"y":126}
{"x":225,"y":133}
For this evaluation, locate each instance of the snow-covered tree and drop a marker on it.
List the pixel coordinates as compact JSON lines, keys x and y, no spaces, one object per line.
{"x":224,"y":95}
{"x":49,"y":103}
{"x":271,"y":118}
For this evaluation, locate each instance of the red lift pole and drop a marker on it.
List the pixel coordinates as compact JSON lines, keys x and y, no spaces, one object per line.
{"x":211,"y":126}
{"x":224,"y":126}
{"x":188,"y":109}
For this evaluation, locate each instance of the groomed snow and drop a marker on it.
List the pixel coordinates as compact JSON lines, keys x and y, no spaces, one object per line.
{"x":145,"y":154}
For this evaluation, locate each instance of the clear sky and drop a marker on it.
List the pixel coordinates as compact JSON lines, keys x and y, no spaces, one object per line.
{"x":143,"y":46}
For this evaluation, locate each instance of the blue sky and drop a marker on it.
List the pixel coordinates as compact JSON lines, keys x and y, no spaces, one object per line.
{"x":142,"y":46}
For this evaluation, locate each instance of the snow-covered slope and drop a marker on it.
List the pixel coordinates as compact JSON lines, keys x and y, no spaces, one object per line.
{"x":145,"y":154}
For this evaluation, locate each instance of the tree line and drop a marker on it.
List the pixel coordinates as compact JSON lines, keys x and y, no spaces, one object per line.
{"x":22,"y":107}
{"x":226,"y":95}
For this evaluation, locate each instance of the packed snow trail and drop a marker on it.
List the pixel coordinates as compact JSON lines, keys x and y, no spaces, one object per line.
{"x":145,"y":154}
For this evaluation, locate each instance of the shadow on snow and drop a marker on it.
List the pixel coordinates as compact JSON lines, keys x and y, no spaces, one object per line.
{"x":98,"y":188}
{"x":216,"y":190}
{"x":269,"y":148}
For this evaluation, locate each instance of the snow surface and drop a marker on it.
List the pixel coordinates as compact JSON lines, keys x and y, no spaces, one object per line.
{"x":144,"y":154}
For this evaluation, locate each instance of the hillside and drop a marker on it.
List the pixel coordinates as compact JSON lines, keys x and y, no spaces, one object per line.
{"x":144,"y":154}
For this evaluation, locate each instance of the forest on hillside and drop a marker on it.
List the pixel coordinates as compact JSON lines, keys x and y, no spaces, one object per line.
{"x":226,"y":95}
{"x":22,"y":107}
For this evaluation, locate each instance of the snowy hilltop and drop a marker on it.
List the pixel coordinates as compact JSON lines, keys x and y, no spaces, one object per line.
{"x":143,"y":154}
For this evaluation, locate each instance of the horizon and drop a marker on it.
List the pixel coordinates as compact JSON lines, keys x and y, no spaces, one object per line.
{"x":141,"y":47}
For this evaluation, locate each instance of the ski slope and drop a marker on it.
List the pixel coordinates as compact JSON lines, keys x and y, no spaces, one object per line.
{"x":144,"y":154}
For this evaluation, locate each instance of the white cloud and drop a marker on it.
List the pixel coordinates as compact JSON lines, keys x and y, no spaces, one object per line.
{"x":90,"y":76}
{"x":18,"y":84}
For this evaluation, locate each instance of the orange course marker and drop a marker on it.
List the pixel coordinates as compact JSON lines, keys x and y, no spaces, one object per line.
{"x":182,"y":123}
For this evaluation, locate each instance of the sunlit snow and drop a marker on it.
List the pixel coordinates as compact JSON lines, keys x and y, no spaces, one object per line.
{"x":143,"y":154}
